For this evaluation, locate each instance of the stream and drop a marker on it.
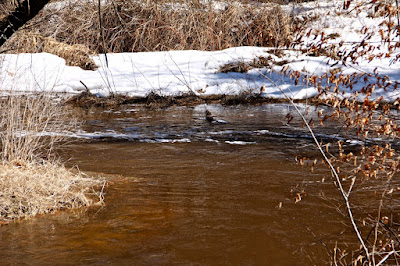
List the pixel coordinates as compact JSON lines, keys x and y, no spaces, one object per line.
{"x":189,"y":192}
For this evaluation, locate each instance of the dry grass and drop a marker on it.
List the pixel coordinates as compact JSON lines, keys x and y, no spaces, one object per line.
{"x":74,"y":55}
{"x":243,"y":67}
{"x":32,"y":181}
{"x":28,"y":189}
{"x":30,"y":126}
{"x":160,"y":25}
{"x":6,"y":7}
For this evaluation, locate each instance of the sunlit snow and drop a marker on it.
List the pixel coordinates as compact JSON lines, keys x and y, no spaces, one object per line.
{"x":177,"y":72}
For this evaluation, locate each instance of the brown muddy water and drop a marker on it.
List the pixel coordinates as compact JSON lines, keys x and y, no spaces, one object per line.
{"x":194,"y":193}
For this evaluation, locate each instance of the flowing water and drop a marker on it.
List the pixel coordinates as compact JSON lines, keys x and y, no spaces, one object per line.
{"x":188,"y":192}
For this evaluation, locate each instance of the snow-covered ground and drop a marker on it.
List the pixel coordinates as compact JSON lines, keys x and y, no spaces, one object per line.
{"x":136,"y":74}
{"x":176,"y":72}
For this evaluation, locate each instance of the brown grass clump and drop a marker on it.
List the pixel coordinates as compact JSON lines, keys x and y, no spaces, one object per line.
{"x":243,"y":67}
{"x":134,"y":26}
{"x":32,"y":181}
{"x":239,"y":67}
{"x":28,"y":189}
{"x":74,"y":55}
{"x":7,"y":6}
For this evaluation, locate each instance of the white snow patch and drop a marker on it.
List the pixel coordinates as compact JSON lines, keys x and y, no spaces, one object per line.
{"x":177,"y":72}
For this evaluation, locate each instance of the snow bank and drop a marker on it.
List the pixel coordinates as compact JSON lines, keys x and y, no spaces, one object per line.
{"x":137,"y":74}
{"x":176,"y":72}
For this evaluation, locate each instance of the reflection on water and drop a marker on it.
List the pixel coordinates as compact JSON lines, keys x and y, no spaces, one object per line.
{"x":198,"y":202}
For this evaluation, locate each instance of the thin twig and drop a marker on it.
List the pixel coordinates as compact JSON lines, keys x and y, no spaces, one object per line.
{"x":385,"y":258}
{"x":101,"y":196}
{"x":333,"y":170}
{"x":380,"y":210}
{"x":397,"y":11}
{"x":86,"y":87}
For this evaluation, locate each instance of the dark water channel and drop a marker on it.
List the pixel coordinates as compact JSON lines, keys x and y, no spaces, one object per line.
{"x":194,"y":193}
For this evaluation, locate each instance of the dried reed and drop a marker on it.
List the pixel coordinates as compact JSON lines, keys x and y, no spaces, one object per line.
{"x":30,"y":126}
{"x":74,"y":55}
{"x":28,"y":189}
{"x":32,"y":181}
{"x":160,"y":25}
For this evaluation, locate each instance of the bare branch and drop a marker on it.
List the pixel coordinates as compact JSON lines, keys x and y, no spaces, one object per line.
{"x":333,"y":170}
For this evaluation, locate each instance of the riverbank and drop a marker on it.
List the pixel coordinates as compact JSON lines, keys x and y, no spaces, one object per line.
{"x":327,"y":56}
{"x":153,"y":100}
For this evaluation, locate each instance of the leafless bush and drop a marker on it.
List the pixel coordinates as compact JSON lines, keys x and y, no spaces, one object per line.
{"x":372,"y":167}
{"x":367,"y":175}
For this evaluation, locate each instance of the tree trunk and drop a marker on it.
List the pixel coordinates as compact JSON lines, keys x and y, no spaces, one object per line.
{"x":24,"y":11}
